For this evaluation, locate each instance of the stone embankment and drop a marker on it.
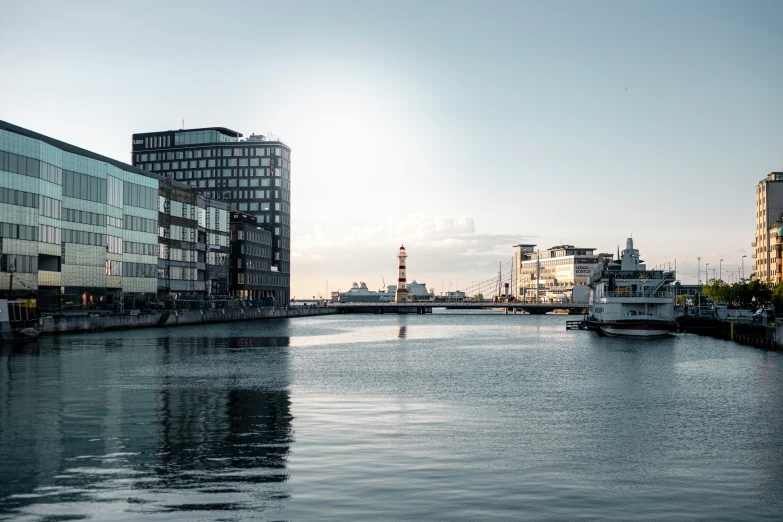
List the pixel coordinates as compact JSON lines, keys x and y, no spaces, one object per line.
{"x":58,"y":324}
{"x":743,"y":332}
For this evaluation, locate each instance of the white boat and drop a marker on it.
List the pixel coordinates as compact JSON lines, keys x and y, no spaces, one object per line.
{"x":628,"y":300}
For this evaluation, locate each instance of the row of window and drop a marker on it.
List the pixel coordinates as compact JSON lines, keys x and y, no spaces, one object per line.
{"x":81,"y":237}
{"x":34,"y":168}
{"x":253,"y":264}
{"x":18,"y":264}
{"x":217,"y":258}
{"x":144,"y":249}
{"x":110,"y":190}
{"x":138,"y":270}
{"x":139,"y":196}
{"x":226,"y":152}
{"x":50,"y":207}
{"x":114,"y":244}
{"x":257,"y":279}
{"x":210,"y":163}
{"x":14,"y":231}
{"x":253,"y":195}
{"x":83,"y":216}
{"x":82,"y":186}
{"x":179,"y":273}
{"x":251,"y":250}
{"x":259,"y":174}
{"x":202,"y":136}
{"x":178,"y":254}
{"x":129,"y":269}
{"x":140,"y":224}
{"x":47,"y":234}
{"x":254,"y":236}
{"x":18,"y":197}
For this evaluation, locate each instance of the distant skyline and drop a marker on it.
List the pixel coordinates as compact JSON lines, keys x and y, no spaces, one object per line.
{"x":454,"y":128}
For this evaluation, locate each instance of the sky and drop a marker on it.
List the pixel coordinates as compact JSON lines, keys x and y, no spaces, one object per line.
{"x":455,"y":128}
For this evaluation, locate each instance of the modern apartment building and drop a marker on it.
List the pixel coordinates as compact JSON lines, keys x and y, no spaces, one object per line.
{"x":77,"y":229}
{"x":252,"y":176}
{"x":193,"y":235}
{"x":553,"y":271}
{"x":252,"y":277}
{"x":769,"y":210}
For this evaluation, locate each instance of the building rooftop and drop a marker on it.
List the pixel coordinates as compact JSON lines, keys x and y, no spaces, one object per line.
{"x":73,"y":149}
{"x":772,"y":176}
{"x":222,"y":130}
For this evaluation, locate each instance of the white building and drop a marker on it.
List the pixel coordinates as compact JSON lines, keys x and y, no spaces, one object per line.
{"x":554,"y":272}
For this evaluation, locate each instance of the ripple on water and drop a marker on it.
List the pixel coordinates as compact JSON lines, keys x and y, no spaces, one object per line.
{"x":440,"y":417}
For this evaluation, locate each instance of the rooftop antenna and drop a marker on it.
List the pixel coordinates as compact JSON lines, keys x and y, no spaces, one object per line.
{"x":183,"y":123}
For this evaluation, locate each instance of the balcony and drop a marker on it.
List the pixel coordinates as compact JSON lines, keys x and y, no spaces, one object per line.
{"x":753,"y":244}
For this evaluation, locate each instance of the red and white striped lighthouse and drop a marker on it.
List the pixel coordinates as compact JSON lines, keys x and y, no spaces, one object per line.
{"x":401,"y":295}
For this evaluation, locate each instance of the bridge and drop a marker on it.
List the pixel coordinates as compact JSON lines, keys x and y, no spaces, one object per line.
{"x":425,"y":307}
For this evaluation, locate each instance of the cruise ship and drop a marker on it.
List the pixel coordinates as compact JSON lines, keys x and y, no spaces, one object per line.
{"x":628,"y":300}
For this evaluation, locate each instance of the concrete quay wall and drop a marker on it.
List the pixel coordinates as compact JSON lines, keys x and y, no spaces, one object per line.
{"x":97,"y":323}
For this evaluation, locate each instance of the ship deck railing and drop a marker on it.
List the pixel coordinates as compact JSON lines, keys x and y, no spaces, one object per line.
{"x":637,"y":294}
{"x":633,"y":274}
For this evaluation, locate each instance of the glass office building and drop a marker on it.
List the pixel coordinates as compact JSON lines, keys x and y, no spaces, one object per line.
{"x":77,"y":230}
{"x":252,"y":175}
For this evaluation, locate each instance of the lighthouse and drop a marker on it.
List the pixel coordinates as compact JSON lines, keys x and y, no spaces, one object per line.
{"x":401,"y":295}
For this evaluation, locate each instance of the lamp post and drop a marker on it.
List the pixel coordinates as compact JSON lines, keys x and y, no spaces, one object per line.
{"x":707,"y":273}
{"x":743,"y":268}
{"x":720,"y":270}
{"x":698,"y":279}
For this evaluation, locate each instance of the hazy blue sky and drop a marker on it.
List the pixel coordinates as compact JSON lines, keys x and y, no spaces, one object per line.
{"x":457,"y":128}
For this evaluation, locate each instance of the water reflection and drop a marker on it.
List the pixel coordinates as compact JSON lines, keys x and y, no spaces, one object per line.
{"x":151,"y":425}
{"x":402,"y":333}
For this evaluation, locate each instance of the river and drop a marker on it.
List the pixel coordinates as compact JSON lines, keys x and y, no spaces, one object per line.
{"x":449,"y":416}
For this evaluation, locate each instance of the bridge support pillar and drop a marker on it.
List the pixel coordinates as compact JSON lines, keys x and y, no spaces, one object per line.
{"x":515,"y":311}
{"x":507,"y":310}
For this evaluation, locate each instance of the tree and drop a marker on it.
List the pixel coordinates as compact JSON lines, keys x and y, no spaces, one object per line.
{"x":777,"y":298}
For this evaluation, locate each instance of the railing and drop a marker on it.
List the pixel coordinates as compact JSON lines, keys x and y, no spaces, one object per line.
{"x":637,"y":294}
{"x":633,"y":274}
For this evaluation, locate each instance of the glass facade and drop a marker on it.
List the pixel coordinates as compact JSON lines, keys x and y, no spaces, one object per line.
{"x":66,"y":215}
{"x":252,"y":176}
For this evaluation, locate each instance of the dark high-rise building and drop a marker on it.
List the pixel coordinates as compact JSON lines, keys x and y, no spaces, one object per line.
{"x":251,"y":175}
{"x":251,"y":260}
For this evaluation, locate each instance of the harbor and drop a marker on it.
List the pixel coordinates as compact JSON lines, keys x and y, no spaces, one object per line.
{"x":237,"y":420}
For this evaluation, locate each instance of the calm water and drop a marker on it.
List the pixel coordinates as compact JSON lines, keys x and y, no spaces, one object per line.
{"x":443,"y":417}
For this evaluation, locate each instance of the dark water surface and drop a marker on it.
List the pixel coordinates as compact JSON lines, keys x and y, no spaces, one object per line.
{"x":443,"y":417}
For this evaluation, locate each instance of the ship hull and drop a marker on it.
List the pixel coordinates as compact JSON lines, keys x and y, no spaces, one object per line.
{"x":634,"y":329}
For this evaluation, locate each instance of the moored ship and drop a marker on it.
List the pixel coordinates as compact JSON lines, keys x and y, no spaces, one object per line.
{"x":626,"y":299}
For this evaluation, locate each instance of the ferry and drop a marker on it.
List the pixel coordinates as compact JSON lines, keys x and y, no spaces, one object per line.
{"x":628,"y":300}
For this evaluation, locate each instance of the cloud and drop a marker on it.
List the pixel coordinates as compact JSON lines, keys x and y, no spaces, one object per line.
{"x":438,"y":247}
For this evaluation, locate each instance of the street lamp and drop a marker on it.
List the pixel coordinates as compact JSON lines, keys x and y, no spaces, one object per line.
{"x":707,"y":273}
{"x":720,"y":270}
{"x":699,"y":277}
{"x":743,"y":268}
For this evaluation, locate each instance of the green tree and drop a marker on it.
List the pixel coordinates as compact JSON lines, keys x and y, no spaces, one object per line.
{"x":777,"y":297}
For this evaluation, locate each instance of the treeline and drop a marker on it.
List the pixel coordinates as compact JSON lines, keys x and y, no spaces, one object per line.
{"x":753,"y":293}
